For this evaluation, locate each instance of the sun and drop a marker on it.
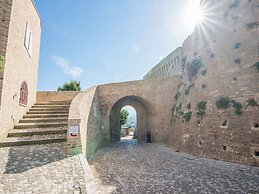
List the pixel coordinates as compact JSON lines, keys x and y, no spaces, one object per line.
{"x":193,"y":13}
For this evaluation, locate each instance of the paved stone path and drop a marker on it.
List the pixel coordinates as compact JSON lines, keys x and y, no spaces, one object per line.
{"x":41,"y":169}
{"x":132,"y":167}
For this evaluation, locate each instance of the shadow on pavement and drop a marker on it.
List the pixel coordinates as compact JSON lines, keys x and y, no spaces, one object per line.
{"x":24,"y":158}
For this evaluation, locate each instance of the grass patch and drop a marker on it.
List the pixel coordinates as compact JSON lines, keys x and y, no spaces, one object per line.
{"x":223,"y":102}
{"x":237,"y":106}
{"x":187,"y":116}
{"x":252,"y":102}
{"x":193,"y":68}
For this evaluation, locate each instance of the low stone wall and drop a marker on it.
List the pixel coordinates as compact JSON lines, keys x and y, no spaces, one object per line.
{"x":83,"y":114}
{"x":45,"y":96}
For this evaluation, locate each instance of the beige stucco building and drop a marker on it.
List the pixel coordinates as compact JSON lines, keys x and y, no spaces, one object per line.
{"x":20,"y":31}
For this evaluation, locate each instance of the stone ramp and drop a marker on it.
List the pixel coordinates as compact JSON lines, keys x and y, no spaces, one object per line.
{"x":44,"y":123}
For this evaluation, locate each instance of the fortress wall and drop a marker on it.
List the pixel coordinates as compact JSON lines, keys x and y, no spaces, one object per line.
{"x":227,"y":46}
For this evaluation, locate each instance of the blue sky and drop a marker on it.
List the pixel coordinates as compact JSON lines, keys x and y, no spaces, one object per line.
{"x":105,"y":41}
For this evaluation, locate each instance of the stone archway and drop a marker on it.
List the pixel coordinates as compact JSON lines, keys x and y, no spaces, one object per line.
{"x":142,"y":108}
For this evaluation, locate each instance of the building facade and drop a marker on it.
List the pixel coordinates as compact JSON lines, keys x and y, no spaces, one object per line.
{"x":20,"y":31}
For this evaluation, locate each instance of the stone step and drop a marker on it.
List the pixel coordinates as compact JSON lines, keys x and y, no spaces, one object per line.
{"x":51,"y":106}
{"x":45,"y":115}
{"x":34,"y":139}
{"x":36,"y":131}
{"x":39,"y":125}
{"x":48,"y":112}
{"x":49,"y":109}
{"x":44,"y":120}
{"x":54,"y":103}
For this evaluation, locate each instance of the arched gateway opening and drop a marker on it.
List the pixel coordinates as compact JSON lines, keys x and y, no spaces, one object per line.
{"x":143,"y":111}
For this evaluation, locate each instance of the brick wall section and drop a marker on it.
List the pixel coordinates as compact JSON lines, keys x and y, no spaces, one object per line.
{"x":47,"y":96}
{"x":5,"y":14}
{"x":19,"y":66}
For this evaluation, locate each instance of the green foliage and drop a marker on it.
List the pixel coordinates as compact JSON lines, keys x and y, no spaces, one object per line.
{"x":237,"y":45}
{"x":252,"y":102}
{"x":251,"y":25}
{"x":204,"y":72}
{"x":188,"y":106}
{"x":224,"y":123}
{"x":257,"y":66}
{"x":177,"y":95}
{"x":193,"y":68}
{"x":203,"y":86}
{"x":201,"y":105}
{"x":237,"y":106}
{"x":234,"y":5}
{"x":187,"y":116}
{"x":200,"y":114}
{"x":223,"y":103}
{"x":74,"y":151}
{"x":237,"y":61}
{"x":124,"y":116}
{"x":73,"y":85}
{"x":201,"y":109}
{"x":212,"y":55}
{"x":187,"y":91}
{"x":179,"y":107}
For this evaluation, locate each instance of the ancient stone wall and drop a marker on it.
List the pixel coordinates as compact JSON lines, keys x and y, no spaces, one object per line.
{"x":169,"y":66}
{"x":21,"y":63}
{"x":152,"y":100}
{"x":221,"y":68}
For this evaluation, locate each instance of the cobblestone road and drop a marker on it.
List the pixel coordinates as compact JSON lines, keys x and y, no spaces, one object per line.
{"x":131,"y":167}
{"x":41,"y":169}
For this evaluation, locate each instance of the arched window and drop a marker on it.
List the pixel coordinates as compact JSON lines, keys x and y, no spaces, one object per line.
{"x":23,"y":94}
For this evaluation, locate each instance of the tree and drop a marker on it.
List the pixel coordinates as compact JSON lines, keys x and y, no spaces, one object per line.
{"x":73,"y":85}
{"x":124,"y":116}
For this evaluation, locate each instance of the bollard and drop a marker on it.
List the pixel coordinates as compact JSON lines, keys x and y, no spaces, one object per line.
{"x":149,"y":137}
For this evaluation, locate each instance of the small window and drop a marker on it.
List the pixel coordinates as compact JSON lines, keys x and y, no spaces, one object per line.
{"x":28,"y":39}
{"x":23,"y":94}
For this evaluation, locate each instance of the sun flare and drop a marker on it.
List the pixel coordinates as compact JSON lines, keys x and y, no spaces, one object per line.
{"x":193,"y":14}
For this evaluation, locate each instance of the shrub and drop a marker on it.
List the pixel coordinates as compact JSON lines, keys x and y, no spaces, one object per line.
{"x":187,"y":91}
{"x":237,"y":106}
{"x":200,"y":114}
{"x":187,"y":116}
{"x":234,"y":5}
{"x":201,"y":109}
{"x":234,"y":78}
{"x":201,"y":105}
{"x":204,"y":72}
{"x":223,"y":103}
{"x":237,"y":45}
{"x":193,"y":68}
{"x":188,"y":106}
{"x":252,"y":102}
{"x":177,"y":95}
{"x":251,"y":25}
{"x":257,"y":66}
{"x":203,"y":86}
{"x":237,"y":61}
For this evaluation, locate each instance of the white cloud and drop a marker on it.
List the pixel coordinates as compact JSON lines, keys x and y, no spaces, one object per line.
{"x":66,"y":67}
{"x":135,"y":48}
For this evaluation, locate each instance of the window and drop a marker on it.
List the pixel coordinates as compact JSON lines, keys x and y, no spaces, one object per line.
{"x":23,"y":94}
{"x":28,"y":39}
